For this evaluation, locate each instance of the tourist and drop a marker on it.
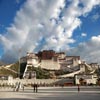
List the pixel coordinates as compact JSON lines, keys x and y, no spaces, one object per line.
{"x":78,"y":87}
{"x":35,"y":86}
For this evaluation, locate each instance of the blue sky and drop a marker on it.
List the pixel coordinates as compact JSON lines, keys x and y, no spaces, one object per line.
{"x":8,"y":9}
{"x":72,"y":26}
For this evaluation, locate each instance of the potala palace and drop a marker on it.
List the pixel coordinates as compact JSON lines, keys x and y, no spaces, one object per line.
{"x":52,"y":68}
{"x":55,"y":61}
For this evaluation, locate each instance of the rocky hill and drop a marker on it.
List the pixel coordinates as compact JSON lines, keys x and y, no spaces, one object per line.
{"x":11,"y":69}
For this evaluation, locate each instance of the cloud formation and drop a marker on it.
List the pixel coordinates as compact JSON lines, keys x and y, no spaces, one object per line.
{"x":44,"y":24}
{"x":84,"y":34}
{"x":89,"y":51}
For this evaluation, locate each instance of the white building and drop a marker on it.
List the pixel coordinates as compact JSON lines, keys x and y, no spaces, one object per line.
{"x":86,"y":79}
{"x":32,"y":59}
{"x":59,"y":61}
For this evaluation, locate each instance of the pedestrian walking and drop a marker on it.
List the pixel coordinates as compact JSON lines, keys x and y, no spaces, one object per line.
{"x":17,"y":86}
{"x":78,"y":87}
{"x":35,"y":87}
{"x":23,"y":87}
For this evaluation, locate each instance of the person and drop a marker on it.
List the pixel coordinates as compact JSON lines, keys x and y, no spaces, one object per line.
{"x":17,"y":86}
{"x":78,"y":87}
{"x":35,"y":87}
{"x":23,"y":87}
{"x":62,"y":85}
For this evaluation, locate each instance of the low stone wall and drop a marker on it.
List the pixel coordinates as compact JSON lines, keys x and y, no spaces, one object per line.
{"x":37,"y":81}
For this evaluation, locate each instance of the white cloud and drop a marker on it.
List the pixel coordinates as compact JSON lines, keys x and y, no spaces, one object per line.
{"x":96,"y":39}
{"x":37,"y":25}
{"x":89,"y":51}
{"x":88,"y":5}
{"x":84,"y":34}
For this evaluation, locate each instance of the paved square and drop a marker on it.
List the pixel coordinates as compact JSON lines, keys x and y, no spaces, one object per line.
{"x":52,"y":93}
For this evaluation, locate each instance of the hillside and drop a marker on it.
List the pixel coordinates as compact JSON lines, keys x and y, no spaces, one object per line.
{"x":10,"y":70}
{"x":13,"y":70}
{"x":2,"y":63}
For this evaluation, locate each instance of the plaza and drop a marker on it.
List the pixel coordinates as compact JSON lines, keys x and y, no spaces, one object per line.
{"x":52,"y":93}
